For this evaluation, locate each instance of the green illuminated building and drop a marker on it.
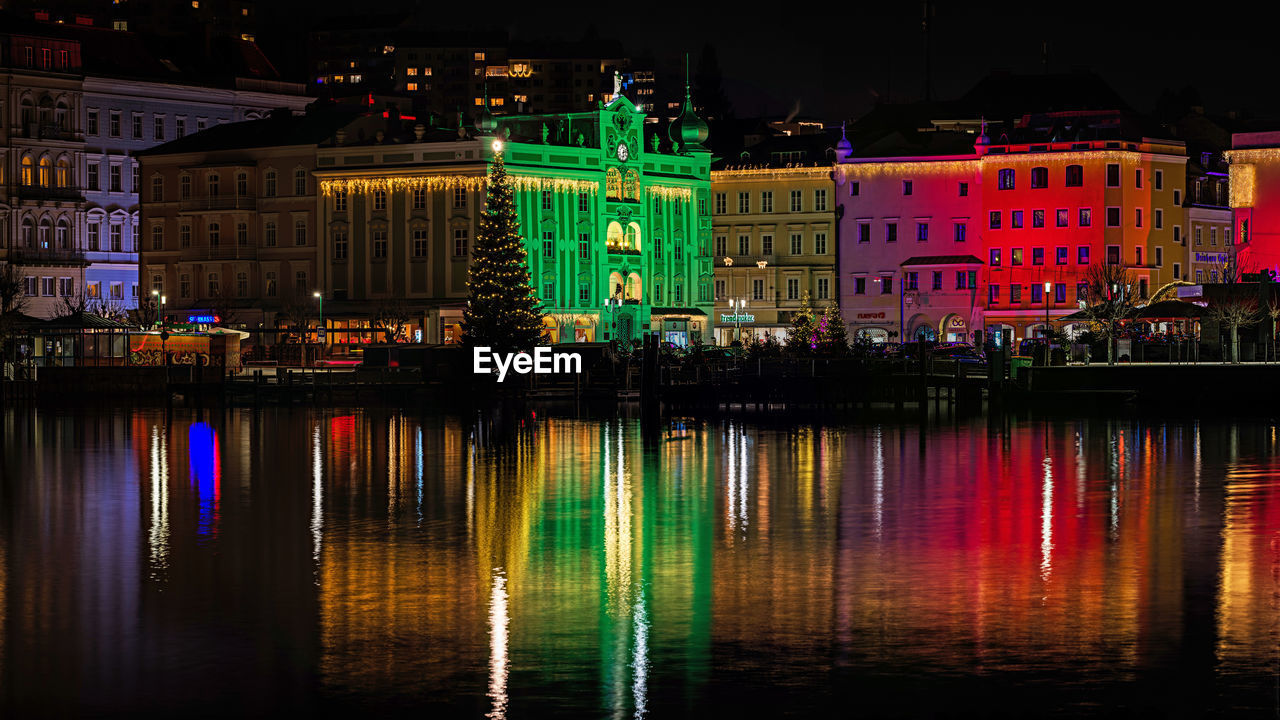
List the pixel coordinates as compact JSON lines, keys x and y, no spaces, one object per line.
{"x":615,"y":218}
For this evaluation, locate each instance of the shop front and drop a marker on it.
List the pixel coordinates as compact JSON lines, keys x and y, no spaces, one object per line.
{"x":681,"y":327}
{"x":874,"y":325}
{"x":955,"y":328}
{"x":750,"y":326}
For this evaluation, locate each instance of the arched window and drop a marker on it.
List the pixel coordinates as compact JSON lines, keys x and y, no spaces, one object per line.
{"x":1075,"y":176}
{"x":46,"y":229}
{"x":28,"y":171}
{"x":213,"y":184}
{"x":631,"y":186}
{"x":300,"y":182}
{"x":45,"y":167}
{"x":1006,"y":179}
{"x":63,"y":234}
{"x":633,"y":287}
{"x":62,"y":175}
{"x":614,"y":238}
{"x":60,"y":116}
{"x":242,"y":185}
{"x":615,"y":285}
{"x":1040,"y":177}
{"x":632,"y":241}
{"x":28,"y":233}
{"x":613,"y":184}
{"x":269,"y":184}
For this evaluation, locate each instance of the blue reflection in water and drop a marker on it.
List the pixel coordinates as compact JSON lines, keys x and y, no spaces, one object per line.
{"x":206,"y":476}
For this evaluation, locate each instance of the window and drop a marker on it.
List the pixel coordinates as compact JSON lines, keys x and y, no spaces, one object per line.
{"x":117,"y":241}
{"x":820,"y":200}
{"x":299,"y":182}
{"x":766,"y":201}
{"x":584,"y":202}
{"x":911,"y":281}
{"x":269,"y":234}
{"x":94,"y":289}
{"x":380,"y":244}
{"x":1005,"y":179}
{"x":242,"y":184}
{"x":340,"y":245}
{"x":922,"y":231}
{"x":859,"y":286}
{"x":757,"y":289}
{"x":994,"y":221}
{"x":853,"y":188}
{"x":137,"y":126}
{"x":1063,"y":218}
{"x":824,"y":288}
{"x":1015,"y":294}
{"x":793,"y":288}
{"x":546,"y":200}
{"x":1037,"y":256}
{"x":820,"y":244}
{"x":959,"y":233}
{"x":722,"y":245}
{"x":1060,"y":293}
{"x":906,"y":187}
{"x":300,"y":282}
{"x":1040,"y":177}
{"x":886,"y":286}
{"x":1015,"y":219}
{"x":548,"y":245}
{"x":1060,"y":256}
{"x":157,"y":128}
{"x":114,"y":126}
{"x":157,"y":237}
{"x":180,"y":127}
{"x":744,"y":244}
{"x":584,"y":292}
{"x":157,"y":189}
{"x":1177,"y":271}
{"x":1138,"y":255}
{"x":269,"y":188}
{"x":966,"y":279}
{"x":891,"y":232}
{"x":993,"y":294}
{"x":1113,"y":254}
{"x":1015,"y":256}
{"x":1198,"y":236}
{"x":995,"y":258}
{"x":214,"y":286}
{"x":340,"y":201}
{"x":1113,"y":217}
{"x":212,"y":184}
{"x":1213,"y":236}
{"x":1199,"y":276}
{"x":1137,"y":178}
{"x":299,"y":232}
{"x":184,"y":187}
{"x":1177,"y":234}
{"x":1159,"y":257}
{"x":584,"y":246}
{"x":964,"y":189}
{"x":1037,"y":294}
{"x":184,"y":235}
{"x":864,"y":232}
{"x":1082,"y":255}
{"x":744,"y":202}
{"x":1177,"y":197}
{"x":1137,"y":217}
{"x":797,"y":244}
{"x":91,"y":123}
{"x":1142,"y":288}
{"x":1086,"y":217}
{"x":937,"y":280}
{"x":1037,"y":218}
{"x":796,"y":201}
{"x":114,"y":185}
{"x":722,"y":203}
{"x":1113,"y":175}
{"x":270,"y":284}
{"x":1075,"y":176}
{"x":379,"y":199}
{"x":214,"y":234}
{"x":242,"y":234}
{"x":1159,"y":218}
{"x":459,"y":197}
{"x":460,"y":242}
{"x":92,"y":177}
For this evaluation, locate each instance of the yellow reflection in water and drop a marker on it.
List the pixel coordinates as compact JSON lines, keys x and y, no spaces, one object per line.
{"x":1248,"y":612}
{"x":158,"y":532}
{"x":498,"y":660}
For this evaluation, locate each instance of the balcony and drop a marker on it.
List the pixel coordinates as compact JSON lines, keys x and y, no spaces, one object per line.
{"x":46,"y":256}
{"x":40,"y":192}
{"x":219,"y":202}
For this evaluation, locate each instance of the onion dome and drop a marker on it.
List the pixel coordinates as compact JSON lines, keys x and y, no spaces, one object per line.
{"x":486,"y":123}
{"x":844,"y":148}
{"x":689,"y":131}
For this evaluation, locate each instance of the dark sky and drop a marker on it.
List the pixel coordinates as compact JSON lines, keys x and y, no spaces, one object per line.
{"x":835,"y":60}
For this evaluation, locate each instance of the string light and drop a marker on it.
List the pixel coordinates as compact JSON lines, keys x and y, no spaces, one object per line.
{"x":1242,"y":173}
{"x":666,"y":192}
{"x":393,"y":183}
{"x":771,"y":172}
{"x":945,"y":165}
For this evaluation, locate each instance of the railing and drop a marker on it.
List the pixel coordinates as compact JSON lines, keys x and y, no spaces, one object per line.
{"x":219,"y":202}
{"x":40,"y":192}
{"x":45,"y":256}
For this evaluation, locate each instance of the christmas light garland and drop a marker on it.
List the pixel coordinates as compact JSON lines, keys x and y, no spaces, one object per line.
{"x":667,"y":192}
{"x":771,"y":172}
{"x":393,"y":183}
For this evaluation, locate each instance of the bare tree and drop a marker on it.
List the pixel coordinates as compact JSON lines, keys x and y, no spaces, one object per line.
{"x":13,"y":294}
{"x":1110,"y":292}
{"x":1234,"y":312}
{"x":297,"y":310}
{"x":391,"y":316}
{"x":75,"y":303}
{"x":148,"y":312}
{"x":1232,"y":270}
{"x":1273,"y":311}
{"x":110,"y":308}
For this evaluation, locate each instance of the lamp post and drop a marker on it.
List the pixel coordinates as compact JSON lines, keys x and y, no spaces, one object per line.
{"x":736,"y":306}
{"x":164,"y":336}
{"x":611,"y":307}
{"x":320,"y":298}
{"x":1048,"y":287}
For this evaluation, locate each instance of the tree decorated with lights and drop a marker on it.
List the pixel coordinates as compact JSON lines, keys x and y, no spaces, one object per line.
{"x":832,"y":331}
{"x":804,"y":337}
{"x":502,"y":311}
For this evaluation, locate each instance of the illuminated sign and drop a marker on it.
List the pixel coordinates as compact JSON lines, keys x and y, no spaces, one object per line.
{"x":197,"y":319}
{"x":1205,"y":257}
{"x":871,"y":316}
{"x":957,"y":323}
{"x":741,"y":317}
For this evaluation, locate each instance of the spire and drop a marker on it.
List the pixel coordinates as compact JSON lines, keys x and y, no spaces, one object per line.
{"x":844,"y":148}
{"x":485,"y":122}
{"x":980,"y":145}
{"x":689,"y":131}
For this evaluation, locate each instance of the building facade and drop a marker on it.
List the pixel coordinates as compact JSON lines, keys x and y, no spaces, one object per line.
{"x":1254,"y":184}
{"x":1211,"y":250}
{"x":617,"y":231}
{"x":773,"y":243}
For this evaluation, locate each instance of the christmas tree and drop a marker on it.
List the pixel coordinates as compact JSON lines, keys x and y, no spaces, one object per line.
{"x":803,"y":338}
{"x":832,"y":331}
{"x":502,"y":311}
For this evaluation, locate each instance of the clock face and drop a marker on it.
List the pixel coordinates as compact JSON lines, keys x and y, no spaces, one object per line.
{"x":623,"y":152}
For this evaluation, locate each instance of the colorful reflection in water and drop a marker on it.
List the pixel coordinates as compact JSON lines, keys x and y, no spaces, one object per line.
{"x":581,"y":568}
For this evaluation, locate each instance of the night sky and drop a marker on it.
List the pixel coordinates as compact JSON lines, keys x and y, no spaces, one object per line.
{"x":835,"y":60}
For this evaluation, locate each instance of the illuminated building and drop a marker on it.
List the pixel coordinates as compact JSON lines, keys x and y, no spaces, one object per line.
{"x":1210,"y":247}
{"x":1254,"y":186}
{"x":610,"y":213}
{"x":992,"y":224}
{"x":773,"y":235}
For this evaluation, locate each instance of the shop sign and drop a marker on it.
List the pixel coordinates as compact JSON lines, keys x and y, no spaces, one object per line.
{"x":1205,"y":257}
{"x":203,"y":319}
{"x":1190,"y":291}
{"x":740,"y":317}
{"x":956,"y":323}
{"x":871,"y":315}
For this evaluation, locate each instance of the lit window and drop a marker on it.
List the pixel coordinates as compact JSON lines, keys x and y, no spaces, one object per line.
{"x":411,"y":71}
{"x":479,"y":57}
{"x":411,"y":87}
{"x":195,"y":4}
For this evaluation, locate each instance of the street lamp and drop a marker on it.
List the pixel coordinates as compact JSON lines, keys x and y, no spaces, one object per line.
{"x":611,"y":307}
{"x":164,"y":335}
{"x":1048,"y":287}
{"x":736,"y":306}
{"x":320,"y":298}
